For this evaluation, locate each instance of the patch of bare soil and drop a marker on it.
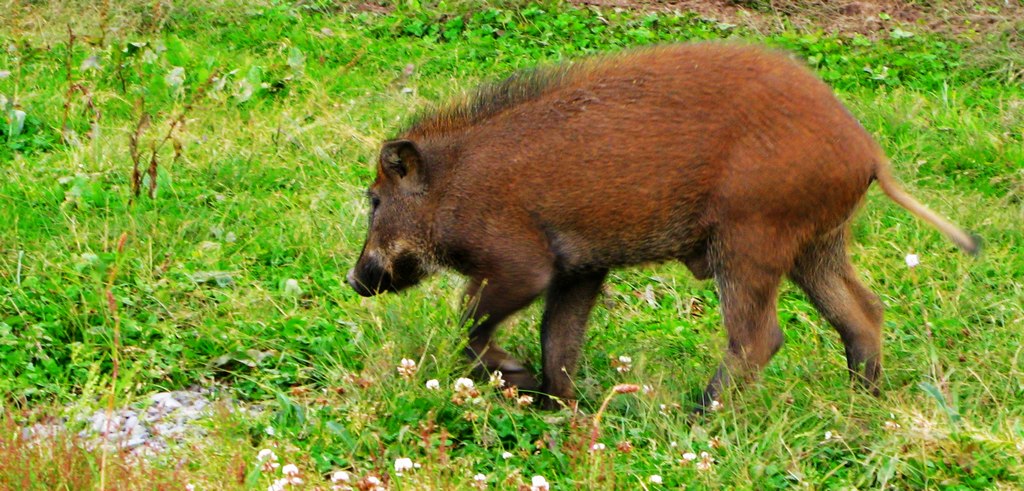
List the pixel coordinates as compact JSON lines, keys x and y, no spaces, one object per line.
{"x":871,"y":18}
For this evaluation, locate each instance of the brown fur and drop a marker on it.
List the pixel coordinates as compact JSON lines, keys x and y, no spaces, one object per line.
{"x":735,"y":160}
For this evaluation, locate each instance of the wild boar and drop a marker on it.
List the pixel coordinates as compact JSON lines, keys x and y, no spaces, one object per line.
{"x":733,"y":159}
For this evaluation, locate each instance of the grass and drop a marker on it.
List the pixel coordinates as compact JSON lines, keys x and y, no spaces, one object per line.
{"x":269,"y":130}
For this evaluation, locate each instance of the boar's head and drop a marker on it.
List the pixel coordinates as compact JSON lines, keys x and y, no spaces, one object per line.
{"x":396,"y":253}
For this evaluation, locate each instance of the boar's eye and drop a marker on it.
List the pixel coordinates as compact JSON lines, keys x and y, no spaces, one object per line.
{"x":374,"y":202}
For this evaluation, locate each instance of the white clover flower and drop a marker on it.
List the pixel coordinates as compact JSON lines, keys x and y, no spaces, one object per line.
{"x":912,"y":260}
{"x":891,"y":425}
{"x":407,"y":368}
{"x":829,"y":436}
{"x":623,"y":364}
{"x":340,"y":476}
{"x":655,"y":479}
{"x":689,"y":456}
{"x":290,"y":470}
{"x":506,"y":455}
{"x":265,"y":454}
{"x":496,"y":379}
{"x":190,"y":487}
{"x":433,"y":384}
{"x":715,"y":406}
{"x":479,"y":478}
{"x":524,"y":400}
{"x":597,"y":447}
{"x":403,"y":464}
{"x":538,"y":483}
{"x":464,"y":389}
{"x":647,"y":390}
{"x":269,"y":430}
{"x":268,"y":458}
{"x":673,"y":444}
{"x":706,"y":461}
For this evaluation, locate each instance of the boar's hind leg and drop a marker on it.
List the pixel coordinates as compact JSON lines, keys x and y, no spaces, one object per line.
{"x":569,"y":301}
{"x":824,"y":272}
{"x":747,"y":290}
{"x":490,"y":302}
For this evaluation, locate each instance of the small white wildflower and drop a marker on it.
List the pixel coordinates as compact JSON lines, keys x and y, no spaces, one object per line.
{"x":647,"y":390}
{"x":623,"y":364}
{"x":480,"y":481}
{"x":290,"y":470}
{"x":340,"y":476}
{"x":4,"y":74}
{"x":655,"y":479}
{"x":891,"y":425}
{"x":706,"y":461}
{"x":829,"y":435}
{"x":715,"y":406}
{"x":524,"y":400}
{"x":268,"y":458}
{"x":597,"y":447}
{"x":433,"y":384}
{"x":496,"y":379}
{"x":270,"y":430}
{"x":673,"y":444}
{"x":506,"y":455}
{"x":407,"y":368}
{"x":265,"y":454}
{"x":464,"y":389}
{"x":1020,"y":446}
{"x":278,"y":485}
{"x":689,"y":456}
{"x":403,"y":464}
{"x":912,"y":260}
{"x":538,"y":483}
{"x":190,"y":487}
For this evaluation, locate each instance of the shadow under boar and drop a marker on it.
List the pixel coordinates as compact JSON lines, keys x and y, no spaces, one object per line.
{"x":733,"y":159}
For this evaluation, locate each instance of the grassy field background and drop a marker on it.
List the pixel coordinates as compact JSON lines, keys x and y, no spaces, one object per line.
{"x":264,"y":119}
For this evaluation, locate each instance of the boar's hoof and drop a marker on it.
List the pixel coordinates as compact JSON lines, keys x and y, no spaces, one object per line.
{"x":513,"y":371}
{"x":523,"y":380}
{"x":552,"y":403}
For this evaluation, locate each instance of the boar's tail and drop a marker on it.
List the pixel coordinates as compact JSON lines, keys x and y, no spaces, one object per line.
{"x":970,"y":243}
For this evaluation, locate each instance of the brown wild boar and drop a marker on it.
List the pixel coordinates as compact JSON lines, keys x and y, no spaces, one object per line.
{"x":733,"y":159}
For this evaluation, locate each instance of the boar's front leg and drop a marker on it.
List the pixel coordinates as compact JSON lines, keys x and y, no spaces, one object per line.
{"x":569,"y":301}
{"x":491,"y":300}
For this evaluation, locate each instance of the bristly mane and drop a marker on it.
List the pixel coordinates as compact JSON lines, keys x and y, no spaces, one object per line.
{"x":489,"y":100}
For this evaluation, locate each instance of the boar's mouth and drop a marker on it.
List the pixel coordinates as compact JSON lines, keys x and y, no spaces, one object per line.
{"x":368,"y":278}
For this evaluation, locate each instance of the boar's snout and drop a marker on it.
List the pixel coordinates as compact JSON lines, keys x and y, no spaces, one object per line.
{"x":356,"y":285}
{"x":368,"y":279}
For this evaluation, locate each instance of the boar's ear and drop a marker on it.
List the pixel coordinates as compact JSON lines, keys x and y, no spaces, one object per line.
{"x":401,"y":161}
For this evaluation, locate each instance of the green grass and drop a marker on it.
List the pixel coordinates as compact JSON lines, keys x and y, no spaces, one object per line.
{"x":274,"y":157}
